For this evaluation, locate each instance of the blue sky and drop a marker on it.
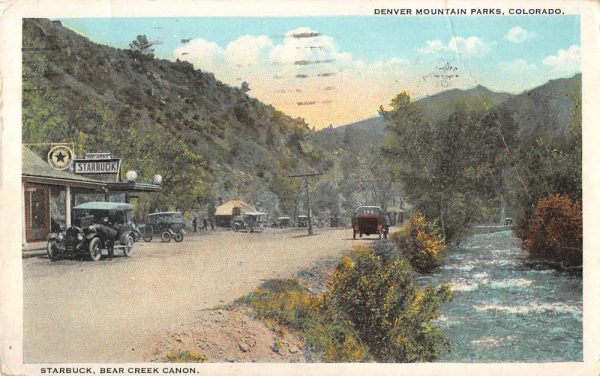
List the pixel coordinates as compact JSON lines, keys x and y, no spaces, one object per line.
{"x":371,"y":58}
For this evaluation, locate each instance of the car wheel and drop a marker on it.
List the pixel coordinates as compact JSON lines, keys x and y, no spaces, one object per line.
{"x":178,"y":237}
{"x":52,"y":249}
{"x":148,"y":231}
{"x":165,"y":236}
{"x":95,"y":249}
{"x":128,"y":249}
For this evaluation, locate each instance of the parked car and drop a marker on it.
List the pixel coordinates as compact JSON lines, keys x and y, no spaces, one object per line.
{"x":334,"y":222}
{"x":367,"y":220}
{"x":302,"y":221}
{"x":249,"y":222}
{"x":97,"y":226}
{"x":283,"y":222}
{"x":168,"y":225}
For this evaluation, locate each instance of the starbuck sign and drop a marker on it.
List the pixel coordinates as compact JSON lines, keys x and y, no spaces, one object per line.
{"x":97,"y":163}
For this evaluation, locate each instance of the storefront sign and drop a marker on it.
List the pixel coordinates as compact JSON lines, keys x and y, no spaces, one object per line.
{"x":60,"y":157}
{"x":98,"y":156}
{"x":97,"y":166}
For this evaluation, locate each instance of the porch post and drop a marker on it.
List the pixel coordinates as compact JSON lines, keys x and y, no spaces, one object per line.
{"x":24,"y":207}
{"x":68,"y":207}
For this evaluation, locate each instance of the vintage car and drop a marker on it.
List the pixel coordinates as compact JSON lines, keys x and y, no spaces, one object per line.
{"x":302,"y":221}
{"x":97,"y":226}
{"x":249,"y":222}
{"x":283,"y":222}
{"x":168,"y":225}
{"x":367,"y":220}
{"x":335,"y":222}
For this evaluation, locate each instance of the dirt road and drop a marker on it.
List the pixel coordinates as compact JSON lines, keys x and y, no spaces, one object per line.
{"x":114,"y":310}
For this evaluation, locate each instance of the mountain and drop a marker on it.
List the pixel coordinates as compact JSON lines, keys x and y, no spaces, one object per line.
{"x":545,"y":110}
{"x":438,"y":107}
{"x":207,"y":139}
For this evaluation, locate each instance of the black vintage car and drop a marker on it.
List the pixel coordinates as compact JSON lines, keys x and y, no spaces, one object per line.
{"x":302,"y":221}
{"x":97,"y":226}
{"x":249,"y":222}
{"x":168,"y":225}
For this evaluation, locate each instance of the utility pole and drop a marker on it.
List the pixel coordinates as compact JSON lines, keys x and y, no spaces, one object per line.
{"x":306,"y":186}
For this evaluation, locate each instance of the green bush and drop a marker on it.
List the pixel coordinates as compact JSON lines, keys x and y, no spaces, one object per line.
{"x":373,"y":310}
{"x":420,"y":242}
{"x":287,"y":303}
{"x":391,"y":315}
{"x":185,"y":357}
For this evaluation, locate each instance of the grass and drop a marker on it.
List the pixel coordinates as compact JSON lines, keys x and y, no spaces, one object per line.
{"x":185,"y":357}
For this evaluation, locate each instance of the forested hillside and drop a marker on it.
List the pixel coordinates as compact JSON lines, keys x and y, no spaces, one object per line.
{"x":207,"y":139}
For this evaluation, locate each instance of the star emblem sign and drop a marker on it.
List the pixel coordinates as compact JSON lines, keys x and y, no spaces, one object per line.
{"x":60,"y":157}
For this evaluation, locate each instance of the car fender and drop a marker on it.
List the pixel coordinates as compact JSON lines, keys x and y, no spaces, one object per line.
{"x":52,"y":235}
{"x":124,"y":236}
{"x":91,"y":236}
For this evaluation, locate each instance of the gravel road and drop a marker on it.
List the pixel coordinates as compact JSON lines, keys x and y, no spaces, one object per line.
{"x":114,"y":310}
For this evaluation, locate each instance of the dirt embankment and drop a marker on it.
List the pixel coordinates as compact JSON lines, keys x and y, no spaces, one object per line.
{"x":232,"y":334}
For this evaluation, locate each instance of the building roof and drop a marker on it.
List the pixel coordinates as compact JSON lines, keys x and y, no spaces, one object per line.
{"x":132,"y":186}
{"x":34,"y":165}
{"x":104,"y":205}
{"x":36,"y":170}
{"x":227,"y":207}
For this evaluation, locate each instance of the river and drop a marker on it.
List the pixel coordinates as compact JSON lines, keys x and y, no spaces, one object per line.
{"x":504,"y":311}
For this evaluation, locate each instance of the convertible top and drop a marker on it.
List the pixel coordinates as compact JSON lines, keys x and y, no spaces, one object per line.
{"x":104,"y":205}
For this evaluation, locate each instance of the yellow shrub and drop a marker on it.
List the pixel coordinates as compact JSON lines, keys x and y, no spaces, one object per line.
{"x":421,"y":243}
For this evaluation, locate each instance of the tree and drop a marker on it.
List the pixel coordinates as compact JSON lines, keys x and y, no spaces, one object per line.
{"x":548,"y":175}
{"x":450,"y":171}
{"x":244,"y":87}
{"x":141,"y":47}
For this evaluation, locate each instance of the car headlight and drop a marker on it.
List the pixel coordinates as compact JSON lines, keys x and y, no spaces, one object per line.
{"x":80,"y":236}
{"x":60,"y":237}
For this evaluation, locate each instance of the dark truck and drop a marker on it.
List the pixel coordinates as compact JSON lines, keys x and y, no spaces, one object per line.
{"x":368,"y":220}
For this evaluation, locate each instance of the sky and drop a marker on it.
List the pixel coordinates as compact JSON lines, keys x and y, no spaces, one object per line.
{"x":337,"y":70}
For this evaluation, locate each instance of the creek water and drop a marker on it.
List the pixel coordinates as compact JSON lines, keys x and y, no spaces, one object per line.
{"x":504,"y":311}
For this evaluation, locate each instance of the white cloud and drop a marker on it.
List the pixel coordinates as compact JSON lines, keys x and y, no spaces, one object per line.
{"x":433,"y":46}
{"x":468,"y":47}
{"x":338,"y":87}
{"x":248,"y":49}
{"x":200,"y":50}
{"x":519,"y":35}
{"x":565,"y":61}
{"x":471,"y":46}
{"x":517,"y":66}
